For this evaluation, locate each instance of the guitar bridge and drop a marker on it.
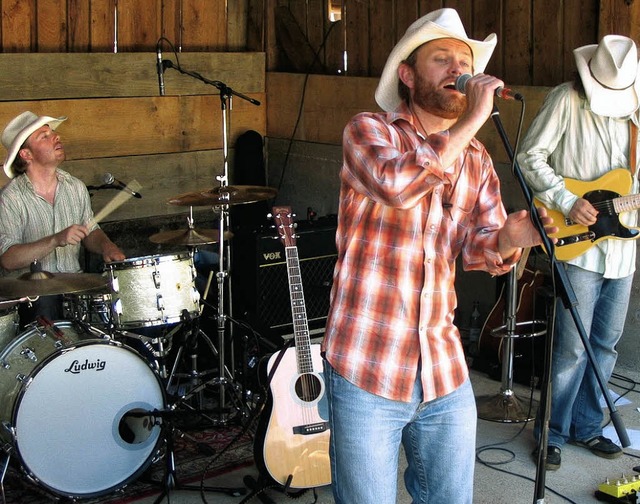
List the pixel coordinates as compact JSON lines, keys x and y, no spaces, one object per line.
{"x":569,"y":240}
{"x":308,"y":429}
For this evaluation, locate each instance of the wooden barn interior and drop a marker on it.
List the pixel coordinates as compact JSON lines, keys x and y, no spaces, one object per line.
{"x":256,"y":94}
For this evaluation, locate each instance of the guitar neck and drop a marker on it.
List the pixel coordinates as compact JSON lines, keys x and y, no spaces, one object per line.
{"x":299,"y":312}
{"x":626,"y":203}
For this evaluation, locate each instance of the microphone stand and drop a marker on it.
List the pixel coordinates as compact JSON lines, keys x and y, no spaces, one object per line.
{"x":224,"y":248}
{"x":570,"y":302}
{"x":170,"y":480}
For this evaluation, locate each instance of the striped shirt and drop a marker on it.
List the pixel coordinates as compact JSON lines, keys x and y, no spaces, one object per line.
{"x":26,"y":217}
{"x":403,"y":220}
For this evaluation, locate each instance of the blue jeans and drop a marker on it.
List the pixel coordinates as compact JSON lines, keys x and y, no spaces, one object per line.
{"x":366,"y":433}
{"x":576,"y":413}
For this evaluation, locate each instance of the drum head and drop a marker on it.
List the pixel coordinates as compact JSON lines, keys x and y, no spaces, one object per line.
{"x":71,"y":426}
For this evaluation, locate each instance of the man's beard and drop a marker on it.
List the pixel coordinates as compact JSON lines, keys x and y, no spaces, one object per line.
{"x":438,"y":101}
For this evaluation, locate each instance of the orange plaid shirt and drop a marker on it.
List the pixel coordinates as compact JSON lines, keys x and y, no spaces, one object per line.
{"x":403,"y":220}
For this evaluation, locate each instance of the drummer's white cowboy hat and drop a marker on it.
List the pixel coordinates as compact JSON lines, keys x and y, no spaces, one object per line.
{"x":609,"y":74}
{"x":442,"y":23}
{"x":17,"y":132}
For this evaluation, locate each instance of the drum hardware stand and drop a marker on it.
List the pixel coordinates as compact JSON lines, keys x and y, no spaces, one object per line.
{"x":170,"y":481}
{"x":505,"y":406}
{"x":224,"y":250}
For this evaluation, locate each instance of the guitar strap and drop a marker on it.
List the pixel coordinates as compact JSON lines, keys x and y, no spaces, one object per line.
{"x":633,"y":147}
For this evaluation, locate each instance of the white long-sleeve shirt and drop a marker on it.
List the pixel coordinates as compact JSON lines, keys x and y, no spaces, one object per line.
{"x":566,"y":139}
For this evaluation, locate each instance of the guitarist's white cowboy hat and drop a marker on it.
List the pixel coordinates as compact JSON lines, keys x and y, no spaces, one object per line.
{"x":442,"y":23}
{"x":18,"y":130}
{"x":609,"y":74}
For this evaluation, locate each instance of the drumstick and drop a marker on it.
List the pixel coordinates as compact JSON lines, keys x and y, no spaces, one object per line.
{"x":117,"y":201}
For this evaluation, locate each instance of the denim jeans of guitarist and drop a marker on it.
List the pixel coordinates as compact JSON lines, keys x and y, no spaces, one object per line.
{"x":576,"y":413}
{"x":439,"y":440}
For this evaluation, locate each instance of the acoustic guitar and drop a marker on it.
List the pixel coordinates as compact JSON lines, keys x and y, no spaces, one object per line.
{"x":604,"y":194}
{"x":293,"y":442}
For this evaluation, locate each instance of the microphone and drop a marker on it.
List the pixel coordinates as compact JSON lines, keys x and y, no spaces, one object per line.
{"x":160,"y":69}
{"x":501,"y":92}
{"x":109,"y":179}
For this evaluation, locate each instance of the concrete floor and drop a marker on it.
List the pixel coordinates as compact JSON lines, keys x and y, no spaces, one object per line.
{"x":505,"y":472}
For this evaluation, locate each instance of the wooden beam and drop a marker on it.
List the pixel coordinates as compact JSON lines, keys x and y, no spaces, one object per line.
{"x":92,"y":75}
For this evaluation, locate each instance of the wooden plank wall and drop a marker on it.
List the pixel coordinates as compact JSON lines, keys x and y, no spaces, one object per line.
{"x":118,"y":124}
{"x":535,"y":37}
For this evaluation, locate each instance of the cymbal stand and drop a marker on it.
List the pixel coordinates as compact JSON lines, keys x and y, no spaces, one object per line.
{"x":224,"y":249}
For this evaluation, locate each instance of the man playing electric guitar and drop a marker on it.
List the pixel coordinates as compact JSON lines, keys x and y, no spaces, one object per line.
{"x":585,"y":131}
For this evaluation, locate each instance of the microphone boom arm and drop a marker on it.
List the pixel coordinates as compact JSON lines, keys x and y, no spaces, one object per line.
{"x":224,"y":89}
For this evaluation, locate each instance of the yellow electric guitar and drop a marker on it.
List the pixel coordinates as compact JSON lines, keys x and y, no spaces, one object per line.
{"x":292,"y":443}
{"x":604,"y":194}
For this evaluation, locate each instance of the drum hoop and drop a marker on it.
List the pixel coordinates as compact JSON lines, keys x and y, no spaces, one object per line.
{"x":23,"y":388}
{"x":148,"y":261}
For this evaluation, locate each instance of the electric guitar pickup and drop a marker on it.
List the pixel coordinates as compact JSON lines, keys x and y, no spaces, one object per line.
{"x":604,"y":194}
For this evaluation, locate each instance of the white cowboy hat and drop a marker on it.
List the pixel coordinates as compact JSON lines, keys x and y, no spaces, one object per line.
{"x":609,"y":74}
{"x":442,"y":23}
{"x":17,"y":132}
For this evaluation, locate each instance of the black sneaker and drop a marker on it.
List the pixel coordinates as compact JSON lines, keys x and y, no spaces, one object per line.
{"x":554,"y":458}
{"x":600,"y":446}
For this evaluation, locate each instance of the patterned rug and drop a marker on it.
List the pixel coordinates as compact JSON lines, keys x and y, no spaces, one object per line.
{"x":204,"y":453}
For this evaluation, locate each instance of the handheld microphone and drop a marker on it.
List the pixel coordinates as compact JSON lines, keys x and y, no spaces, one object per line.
{"x":501,"y":92}
{"x":109,"y":179}
{"x":160,"y":69}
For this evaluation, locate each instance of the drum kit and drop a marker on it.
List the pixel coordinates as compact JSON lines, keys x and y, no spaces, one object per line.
{"x":84,"y":410}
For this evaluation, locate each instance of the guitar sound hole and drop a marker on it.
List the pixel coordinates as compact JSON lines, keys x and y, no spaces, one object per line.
{"x":308,"y":387}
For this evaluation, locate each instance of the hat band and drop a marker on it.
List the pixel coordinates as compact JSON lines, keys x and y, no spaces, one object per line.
{"x":603,"y":84}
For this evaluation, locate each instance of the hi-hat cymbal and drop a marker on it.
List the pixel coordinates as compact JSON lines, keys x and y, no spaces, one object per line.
{"x":189,"y":237}
{"x":43,"y":283}
{"x":225,"y":195}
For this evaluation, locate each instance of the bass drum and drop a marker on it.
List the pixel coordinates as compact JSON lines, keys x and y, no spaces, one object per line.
{"x":72,"y":408}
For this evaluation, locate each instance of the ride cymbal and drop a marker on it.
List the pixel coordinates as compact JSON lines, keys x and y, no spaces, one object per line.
{"x":189,"y":237}
{"x":225,"y":195}
{"x":43,"y":283}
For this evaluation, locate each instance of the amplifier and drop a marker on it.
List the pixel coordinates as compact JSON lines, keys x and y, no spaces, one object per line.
{"x":260,"y":282}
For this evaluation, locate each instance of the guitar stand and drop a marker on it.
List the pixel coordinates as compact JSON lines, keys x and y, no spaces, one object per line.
{"x":170,"y":481}
{"x":505,"y":406}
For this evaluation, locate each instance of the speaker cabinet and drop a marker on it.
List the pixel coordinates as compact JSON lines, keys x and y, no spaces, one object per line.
{"x":260,"y":282}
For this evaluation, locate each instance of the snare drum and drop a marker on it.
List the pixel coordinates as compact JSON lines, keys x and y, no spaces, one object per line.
{"x":71,"y":405}
{"x":153,"y":290}
{"x":9,"y":324}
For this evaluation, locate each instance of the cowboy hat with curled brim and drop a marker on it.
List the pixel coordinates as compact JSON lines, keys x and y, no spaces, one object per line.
{"x":17,"y":132}
{"x":609,"y":74}
{"x":439,"y":24}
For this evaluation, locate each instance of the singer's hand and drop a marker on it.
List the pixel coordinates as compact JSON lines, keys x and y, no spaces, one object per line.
{"x":519,"y":232}
{"x":480,"y":91}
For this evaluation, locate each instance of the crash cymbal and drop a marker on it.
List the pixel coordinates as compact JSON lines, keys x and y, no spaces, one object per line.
{"x":43,"y":283}
{"x":225,"y":195}
{"x":189,"y":237}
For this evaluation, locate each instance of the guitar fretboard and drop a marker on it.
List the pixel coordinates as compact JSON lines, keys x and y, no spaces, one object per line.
{"x":298,"y":312}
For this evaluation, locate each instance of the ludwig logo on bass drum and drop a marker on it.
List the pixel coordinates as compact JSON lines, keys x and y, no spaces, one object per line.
{"x":77,"y":368}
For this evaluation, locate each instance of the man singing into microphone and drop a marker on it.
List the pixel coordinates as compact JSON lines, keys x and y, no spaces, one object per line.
{"x":45,"y":213}
{"x":417,"y":191}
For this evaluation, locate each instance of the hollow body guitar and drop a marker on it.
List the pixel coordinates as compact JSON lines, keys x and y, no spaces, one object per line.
{"x":292,"y":443}
{"x":604,"y":194}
